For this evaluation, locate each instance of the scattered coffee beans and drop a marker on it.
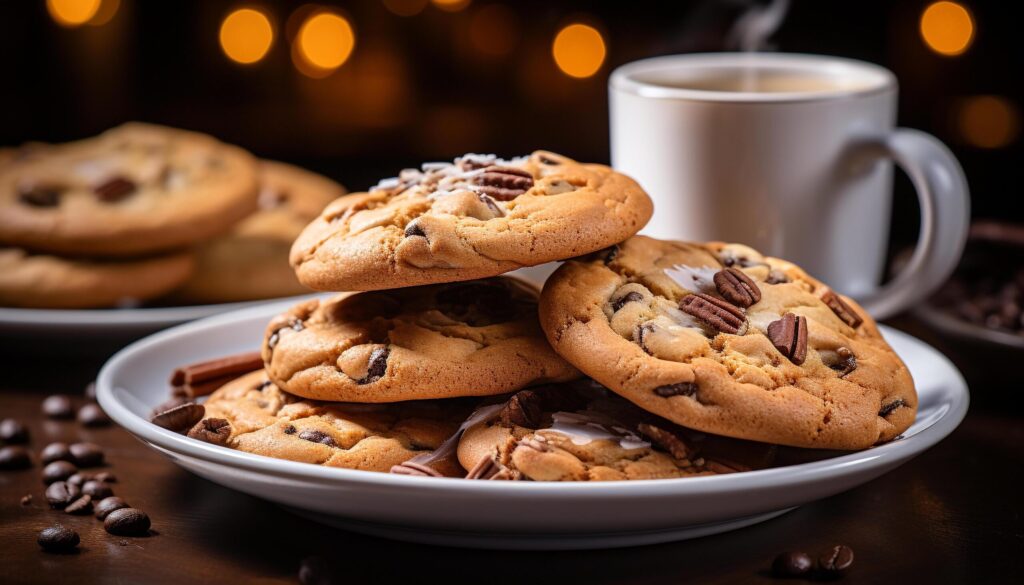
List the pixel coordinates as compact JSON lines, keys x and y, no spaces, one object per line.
{"x":91,"y":415}
{"x":836,"y":560}
{"x":179,"y":418}
{"x":60,"y":493}
{"x":107,"y":505}
{"x":58,"y":538}
{"x":58,"y":471}
{"x":87,"y":454}
{"x":792,"y":564}
{"x":58,"y":406}
{"x":105,"y":477}
{"x":55,"y":452}
{"x":82,"y":505}
{"x":127,"y":522}
{"x":12,"y":432}
{"x":97,"y":489}
{"x":14,"y":457}
{"x":79,"y":478}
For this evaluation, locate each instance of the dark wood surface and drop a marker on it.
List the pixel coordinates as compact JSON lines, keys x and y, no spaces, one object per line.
{"x":953,"y":515}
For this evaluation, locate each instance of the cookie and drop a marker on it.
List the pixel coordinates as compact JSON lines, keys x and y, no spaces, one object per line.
{"x":134,"y":189}
{"x":251,"y":261}
{"x":477,"y":217}
{"x":573,"y":432}
{"x":266,"y":421}
{"x":464,"y":339}
{"x":719,"y":338}
{"x":43,"y":281}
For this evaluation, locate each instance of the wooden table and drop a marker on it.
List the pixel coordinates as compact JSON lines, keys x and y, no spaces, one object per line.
{"x":953,"y":515}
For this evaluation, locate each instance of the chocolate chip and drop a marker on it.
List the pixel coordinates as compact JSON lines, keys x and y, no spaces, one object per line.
{"x":889,"y":408}
{"x":836,"y":560}
{"x":82,"y":505}
{"x":215,"y":431}
{"x":841,"y":360}
{"x":776,"y":277}
{"x":414,"y":229}
{"x":114,"y":189}
{"x":91,"y":415}
{"x":610,"y":254}
{"x":14,"y":457}
{"x":107,"y":505}
{"x":127,"y":522}
{"x":39,"y":195}
{"x":58,"y":406}
{"x":58,"y":471}
{"x":87,"y":454}
{"x":60,"y":493}
{"x":842,"y":310}
{"x":736,"y":287}
{"x":789,"y":336}
{"x":12,"y":432}
{"x":792,"y":564}
{"x":57,"y":538}
{"x":502,"y":183}
{"x":665,"y":439}
{"x":179,"y":418}
{"x":415,"y":469}
{"x":523,"y":409}
{"x":677,"y":389}
{"x":630,"y":297}
{"x":315,"y":436}
{"x":718,"y":314}
{"x":376,"y":366}
{"x":289,"y":430}
{"x":97,"y":489}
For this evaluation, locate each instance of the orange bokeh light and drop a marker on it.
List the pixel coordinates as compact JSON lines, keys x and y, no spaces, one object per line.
{"x":405,"y":7}
{"x":947,"y":28}
{"x":246,"y":35}
{"x":988,"y":121}
{"x":578,"y":50}
{"x":494,"y":30}
{"x":72,"y":13}
{"x":451,"y":5}
{"x":324,"y":42}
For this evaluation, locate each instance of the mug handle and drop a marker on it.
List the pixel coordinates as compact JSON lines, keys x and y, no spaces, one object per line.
{"x":945,"y":217}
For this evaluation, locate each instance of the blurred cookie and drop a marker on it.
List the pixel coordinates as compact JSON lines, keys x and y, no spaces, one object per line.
{"x":477,"y":217}
{"x":572,"y":433}
{"x":135,"y":189}
{"x":466,"y":339}
{"x":43,"y":281}
{"x":719,"y":338}
{"x":251,"y":261}
{"x":266,"y":421}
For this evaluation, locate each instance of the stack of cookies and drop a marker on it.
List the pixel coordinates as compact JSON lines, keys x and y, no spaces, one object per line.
{"x":639,"y":359}
{"x":141,"y":212}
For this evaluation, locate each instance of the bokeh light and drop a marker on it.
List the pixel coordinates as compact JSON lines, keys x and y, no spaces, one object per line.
{"x":71,"y":13}
{"x":405,"y":7}
{"x":578,"y":50}
{"x":494,"y":30}
{"x":246,"y":35}
{"x":988,"y":121}
{"x":947,"y":28}
{"x":105,"y":13}
{"x":451,"y":5}
{"x":324,"y":42}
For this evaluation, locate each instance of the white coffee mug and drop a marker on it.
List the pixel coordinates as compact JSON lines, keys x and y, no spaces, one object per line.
{"x":792,"y":155}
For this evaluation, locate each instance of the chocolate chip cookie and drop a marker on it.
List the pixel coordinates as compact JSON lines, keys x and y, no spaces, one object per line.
{"x":259,"y":418}
{"x":719,"y":338}
{"x":43,"y":281}
{"x":251,"y":261}
{"x":477,"y":217}
{"x":462,"y":339}
{"x":134,"y":189}
{"x":581,"y":432}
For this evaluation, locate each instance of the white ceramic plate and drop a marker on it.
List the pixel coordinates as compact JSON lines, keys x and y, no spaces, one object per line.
{"x":496,"y":514}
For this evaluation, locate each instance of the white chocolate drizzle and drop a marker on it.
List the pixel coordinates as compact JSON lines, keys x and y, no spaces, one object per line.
{"x":698,"y":279}
{"x":582,"y":429}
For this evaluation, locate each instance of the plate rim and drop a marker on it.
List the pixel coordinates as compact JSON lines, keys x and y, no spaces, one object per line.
{"x":872,"y":458}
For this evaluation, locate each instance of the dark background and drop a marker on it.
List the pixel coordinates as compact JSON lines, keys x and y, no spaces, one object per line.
{"x":415,"y":88}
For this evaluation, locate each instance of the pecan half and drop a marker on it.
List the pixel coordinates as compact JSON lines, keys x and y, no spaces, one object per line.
{"x":487,"y":468}
{"x":502,"y":183}
{"x":523,"y":409}
{"x":737,"y":287}
{"x":719,"y":314}
{"x":667,"y":440}
{"x":842,"y":310}
{"x":789,"y":336}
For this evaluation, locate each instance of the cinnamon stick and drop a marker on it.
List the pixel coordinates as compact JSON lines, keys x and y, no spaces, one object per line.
{"x":203,"y":378}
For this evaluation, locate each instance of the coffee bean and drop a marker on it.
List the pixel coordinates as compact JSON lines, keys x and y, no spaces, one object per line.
{"x":91,"y":415}
{"x":173,"y":402}
{"x":58,"y":471}
{"x":215,"y":431}
{"x":82,"y":505}
{"x":127,"y":522}
{"x":61,"y":493}
{"x":55,"y":452}
{"x":97,"y":489}
{"x":792,"y":564}
{"x":105,"y":477}
{"x":836,"y":560}
{"x":58,"y":538}
{"x":79,"y":478}
{"x":87,"y":454}
{"x":14,"y":457}
{"x":12,"y":432}
{"x":58,"y":406}
{"x":107,"y":505}
{"x":179,"y":418}
{"x":90,"y":391}
{"x":26,"y":499}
